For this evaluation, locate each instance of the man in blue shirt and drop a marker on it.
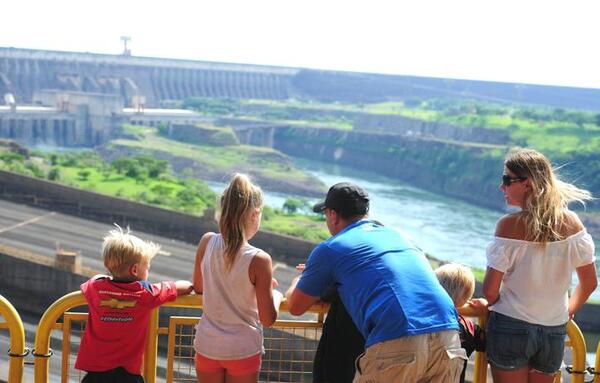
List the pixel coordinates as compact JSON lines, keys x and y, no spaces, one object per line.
{"x":388,"y":287}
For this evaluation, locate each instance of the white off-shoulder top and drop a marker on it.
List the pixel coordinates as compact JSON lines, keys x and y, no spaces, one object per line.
{"x":537,"y":277}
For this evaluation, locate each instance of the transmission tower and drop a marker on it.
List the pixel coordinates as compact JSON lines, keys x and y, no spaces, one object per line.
{"x":126,"y":50}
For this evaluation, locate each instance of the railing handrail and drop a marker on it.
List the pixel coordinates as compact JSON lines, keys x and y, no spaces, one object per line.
{"x":48,"y":322}
{"x":17,"y":351}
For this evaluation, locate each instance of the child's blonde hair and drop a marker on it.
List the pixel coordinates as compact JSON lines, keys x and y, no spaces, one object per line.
{"x":237,"y":203}
{"x":121,"y":249}
{"x":458,"y":281}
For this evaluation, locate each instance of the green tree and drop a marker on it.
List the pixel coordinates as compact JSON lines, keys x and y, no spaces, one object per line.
{"x":294,"y":205}
{"x":54,"y":174}
{"x":121,"y":165}
{"x":84,"y":174}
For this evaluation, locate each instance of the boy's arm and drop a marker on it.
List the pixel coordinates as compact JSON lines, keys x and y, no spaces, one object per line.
{"x":184,"y":287}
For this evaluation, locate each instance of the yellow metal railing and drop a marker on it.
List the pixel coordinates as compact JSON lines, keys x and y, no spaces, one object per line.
{"x":12,"y":322}
{"x":290,"y":345}
{"x":596,"y":369}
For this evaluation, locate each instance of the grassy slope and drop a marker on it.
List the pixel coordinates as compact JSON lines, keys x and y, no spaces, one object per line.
{"x":235,"y":158}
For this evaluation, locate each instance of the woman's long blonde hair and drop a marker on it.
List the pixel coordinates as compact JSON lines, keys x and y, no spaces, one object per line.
{"x":238,"y":202}
{"x":548,"y":200}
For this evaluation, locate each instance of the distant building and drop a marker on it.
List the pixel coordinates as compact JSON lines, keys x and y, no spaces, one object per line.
{"x":74,"y":119}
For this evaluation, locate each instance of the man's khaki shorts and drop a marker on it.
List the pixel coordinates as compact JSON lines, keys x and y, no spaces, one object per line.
{"x":435,"y":358}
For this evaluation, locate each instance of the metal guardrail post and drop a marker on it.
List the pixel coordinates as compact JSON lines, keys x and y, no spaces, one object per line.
{"x":597,"y":366}
{"x":17,"y":349}
{"x":151,"y":348}
{"x":42,"y":352}
{"x":579,"y":350}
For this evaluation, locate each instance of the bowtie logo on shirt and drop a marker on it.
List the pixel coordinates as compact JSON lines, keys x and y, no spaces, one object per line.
{"x":117,"y":304}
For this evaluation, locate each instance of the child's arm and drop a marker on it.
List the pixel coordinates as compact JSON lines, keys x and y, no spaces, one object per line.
{"x":184,"y":287}
{"x":267,"y":299}
{"x":586,"y":286}
{"x":197,"y":277}
{"x":479,"y":306}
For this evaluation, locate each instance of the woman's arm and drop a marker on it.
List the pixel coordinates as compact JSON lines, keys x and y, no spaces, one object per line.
{"x":491,"y":285}
{"x":586,"y":286}
{"x":267,"y":299}
{"x":197,"y":278}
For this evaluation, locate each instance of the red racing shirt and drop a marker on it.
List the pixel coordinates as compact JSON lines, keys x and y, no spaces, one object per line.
{"x":117,"y":325}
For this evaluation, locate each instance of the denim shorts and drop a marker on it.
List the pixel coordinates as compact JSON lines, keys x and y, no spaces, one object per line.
{"x":512,"y":344}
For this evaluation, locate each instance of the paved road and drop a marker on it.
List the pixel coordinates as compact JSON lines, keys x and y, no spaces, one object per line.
{"x":42,"y":232}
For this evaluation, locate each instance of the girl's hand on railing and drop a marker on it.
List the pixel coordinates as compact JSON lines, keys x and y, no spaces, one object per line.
{"x":479,"y":306}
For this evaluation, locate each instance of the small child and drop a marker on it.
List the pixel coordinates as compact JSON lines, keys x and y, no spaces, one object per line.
{"x":114,"y":339}
{"x":459,"y":282}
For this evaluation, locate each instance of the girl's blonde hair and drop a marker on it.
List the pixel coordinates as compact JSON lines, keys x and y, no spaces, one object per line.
{"x":545,"y":207}
{"x":458,"y":281}
{"x":238,"y":202}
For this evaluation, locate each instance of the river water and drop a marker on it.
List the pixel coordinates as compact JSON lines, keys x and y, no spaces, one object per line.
{"x":445,"y":228}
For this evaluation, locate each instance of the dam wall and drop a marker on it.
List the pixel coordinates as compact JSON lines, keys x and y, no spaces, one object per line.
{"x":24,"y":71}
{"x":162,"y":81}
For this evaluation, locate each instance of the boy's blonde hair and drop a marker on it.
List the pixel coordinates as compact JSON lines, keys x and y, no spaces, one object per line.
{"x":121,"y":249}
{"x":458,"y":281}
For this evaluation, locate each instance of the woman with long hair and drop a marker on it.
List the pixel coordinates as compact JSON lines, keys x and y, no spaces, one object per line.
{"x":236,"y":281}
{"x":529,"y":267}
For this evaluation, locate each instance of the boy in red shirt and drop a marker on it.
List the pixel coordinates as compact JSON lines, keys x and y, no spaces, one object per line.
{"x":114,"y":339}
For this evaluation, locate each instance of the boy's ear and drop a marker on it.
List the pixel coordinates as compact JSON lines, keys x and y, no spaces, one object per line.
{"x":133,"y":269}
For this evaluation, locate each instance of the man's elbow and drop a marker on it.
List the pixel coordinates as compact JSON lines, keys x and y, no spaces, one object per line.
{"x":294,"y":308}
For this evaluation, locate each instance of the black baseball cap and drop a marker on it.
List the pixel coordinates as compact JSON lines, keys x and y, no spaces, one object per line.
{"x":346,"y":198}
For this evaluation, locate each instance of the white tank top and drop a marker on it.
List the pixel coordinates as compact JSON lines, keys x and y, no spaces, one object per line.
{"x":537,"y":278}
{"x":229,"y":328}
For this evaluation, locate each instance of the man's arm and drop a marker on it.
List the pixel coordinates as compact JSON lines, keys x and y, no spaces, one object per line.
{"x":298,"y":302}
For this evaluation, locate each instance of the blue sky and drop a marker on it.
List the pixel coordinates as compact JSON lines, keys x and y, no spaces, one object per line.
{"x":528,"y":41}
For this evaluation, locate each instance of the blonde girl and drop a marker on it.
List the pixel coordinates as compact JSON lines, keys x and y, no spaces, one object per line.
{"x":236,"y":281}
{"x":529,"y":266}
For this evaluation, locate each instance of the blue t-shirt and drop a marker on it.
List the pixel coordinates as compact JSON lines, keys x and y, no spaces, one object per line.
{"x":385,"y":282}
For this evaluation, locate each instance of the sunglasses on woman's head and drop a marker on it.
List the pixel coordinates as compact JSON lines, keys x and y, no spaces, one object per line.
{"x":508,"y":180}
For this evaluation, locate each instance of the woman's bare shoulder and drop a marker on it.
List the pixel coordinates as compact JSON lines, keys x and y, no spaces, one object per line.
{"x":571,"y":224}
{"x":511,"y":226}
